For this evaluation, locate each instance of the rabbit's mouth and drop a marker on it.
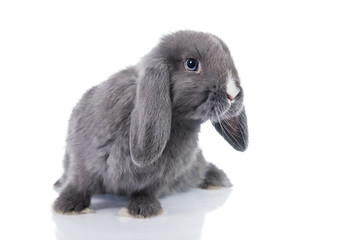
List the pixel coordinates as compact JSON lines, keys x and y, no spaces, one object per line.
{"x":227,"y":107}
{"x":227,"y":111}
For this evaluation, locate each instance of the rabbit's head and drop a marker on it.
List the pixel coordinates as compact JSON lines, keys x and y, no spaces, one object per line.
{"x":188,"y":76}
{"x":204,"y":80}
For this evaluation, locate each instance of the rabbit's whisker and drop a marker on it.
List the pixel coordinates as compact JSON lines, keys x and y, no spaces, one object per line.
{"x":225,"y":131}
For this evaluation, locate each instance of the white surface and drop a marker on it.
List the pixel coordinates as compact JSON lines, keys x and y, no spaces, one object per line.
{"x":298,"y":62}
{"x":183,"y":218}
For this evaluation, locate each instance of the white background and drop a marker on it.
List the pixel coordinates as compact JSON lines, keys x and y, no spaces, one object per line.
{"x":299,"y":66}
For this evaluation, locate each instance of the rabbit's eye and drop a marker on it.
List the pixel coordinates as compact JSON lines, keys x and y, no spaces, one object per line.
{"x":191,"y":64}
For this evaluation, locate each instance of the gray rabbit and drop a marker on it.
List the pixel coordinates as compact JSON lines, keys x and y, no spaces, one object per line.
{"x":136,"y":134}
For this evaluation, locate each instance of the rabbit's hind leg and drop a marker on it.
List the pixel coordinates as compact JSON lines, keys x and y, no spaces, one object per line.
{"x":66,"y":163}
{"x":215,"y":178}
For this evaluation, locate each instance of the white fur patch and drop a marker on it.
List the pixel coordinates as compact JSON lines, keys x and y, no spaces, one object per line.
{"x":124,"y":213}
{"x":85,"y":211}
{"x":232,"y":89}
{"x":214,"y":187}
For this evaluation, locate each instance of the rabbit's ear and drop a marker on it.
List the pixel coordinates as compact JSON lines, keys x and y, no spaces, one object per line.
{"x":235,"y":131}
{"x":151,"y":117}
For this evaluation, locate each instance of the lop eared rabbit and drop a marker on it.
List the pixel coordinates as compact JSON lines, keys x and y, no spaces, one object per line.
{"x":136,"y":134}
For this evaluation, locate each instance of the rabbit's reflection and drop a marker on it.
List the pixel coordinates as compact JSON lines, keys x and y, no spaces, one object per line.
{"x":183,"y":218}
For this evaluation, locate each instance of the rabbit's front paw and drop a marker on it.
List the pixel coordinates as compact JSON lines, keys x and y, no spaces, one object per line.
{"x":71,"y":202}
{"x":144,"y":206}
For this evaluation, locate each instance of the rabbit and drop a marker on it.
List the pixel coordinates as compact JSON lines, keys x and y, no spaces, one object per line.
{"x":136,"y":134}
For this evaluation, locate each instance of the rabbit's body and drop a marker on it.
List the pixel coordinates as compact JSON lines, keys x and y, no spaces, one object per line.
{"x":127,"y":139}
{"x":105,"y":160}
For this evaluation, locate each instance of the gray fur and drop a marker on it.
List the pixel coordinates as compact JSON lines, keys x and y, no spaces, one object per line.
{"x":136,"y":134}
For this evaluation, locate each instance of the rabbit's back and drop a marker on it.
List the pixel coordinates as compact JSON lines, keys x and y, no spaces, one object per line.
{"x":98,"y":130}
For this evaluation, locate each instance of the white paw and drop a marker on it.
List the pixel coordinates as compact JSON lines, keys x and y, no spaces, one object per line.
{"x":214,"y":187}
{"x":125,"y":213}
{"x":85,"y":211}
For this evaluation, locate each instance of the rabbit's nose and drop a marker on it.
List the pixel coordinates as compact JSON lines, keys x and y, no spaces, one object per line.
{"x":230,"y":98}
